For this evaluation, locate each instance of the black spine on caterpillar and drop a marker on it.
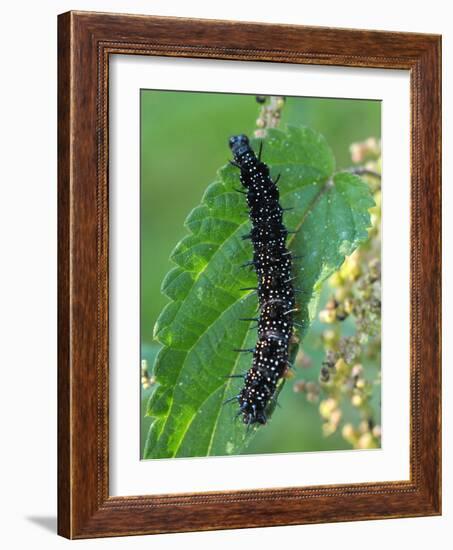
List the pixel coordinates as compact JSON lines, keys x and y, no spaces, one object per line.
{"x":272,"y":262}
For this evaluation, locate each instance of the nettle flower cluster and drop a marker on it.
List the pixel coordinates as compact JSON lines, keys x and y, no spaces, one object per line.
{"x":347,"y":390}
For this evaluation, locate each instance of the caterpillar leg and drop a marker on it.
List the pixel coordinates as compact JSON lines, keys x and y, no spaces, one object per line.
{"x":260,"y":151}
{"x":230,"y":400}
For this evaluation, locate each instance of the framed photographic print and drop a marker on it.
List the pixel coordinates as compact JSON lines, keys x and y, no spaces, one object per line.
{"x":249,"y":275}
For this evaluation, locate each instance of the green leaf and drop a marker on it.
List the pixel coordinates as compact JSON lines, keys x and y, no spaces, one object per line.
{"x":199,"y":328}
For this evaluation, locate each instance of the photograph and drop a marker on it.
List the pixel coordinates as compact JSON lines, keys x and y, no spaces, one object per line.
{"x":260,"y":274}
{"x":249,"y":273}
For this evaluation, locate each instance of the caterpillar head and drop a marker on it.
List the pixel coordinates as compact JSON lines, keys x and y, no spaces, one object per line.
{"x":239,"y":144}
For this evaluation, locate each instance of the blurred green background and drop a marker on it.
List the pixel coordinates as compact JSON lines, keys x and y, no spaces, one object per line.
{"x":184,"y":140}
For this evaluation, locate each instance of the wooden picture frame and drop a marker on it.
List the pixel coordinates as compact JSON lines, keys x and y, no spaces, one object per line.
{"x":85,"y":42}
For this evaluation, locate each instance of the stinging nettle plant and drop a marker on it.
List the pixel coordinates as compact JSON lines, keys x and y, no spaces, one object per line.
{"x":199,"y":328}
{"x":346,"y":380}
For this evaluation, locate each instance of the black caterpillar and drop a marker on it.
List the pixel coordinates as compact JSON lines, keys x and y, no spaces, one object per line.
{"x":273,"y":263}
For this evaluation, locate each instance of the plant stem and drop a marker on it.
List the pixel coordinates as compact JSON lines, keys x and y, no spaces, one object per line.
{"x":270,"y":115}
{"x":359,"y":171}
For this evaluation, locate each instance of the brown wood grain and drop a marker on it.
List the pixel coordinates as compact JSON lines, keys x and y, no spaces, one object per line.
{"x":85,"y":41}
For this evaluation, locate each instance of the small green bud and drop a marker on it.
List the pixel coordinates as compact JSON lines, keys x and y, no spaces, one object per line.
{"x":342,"y":367}
{"x":326,"y":407}
{"x":340,"y":294}
{"x":357,"y":400}
{"x":360,"y":384}
{"x":357,"y":370}
{"x":367,"y":441}
{"x":376,"y":431}
{"x":330,"y":337}
{"x":299,"y":386}
{"x":312,"y":397}
{"x":327,"y":316}
{"x":348,"y":306}
{"x":328,"y":428}
{"x":311,"y":387}
{"x":349,"y":434}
